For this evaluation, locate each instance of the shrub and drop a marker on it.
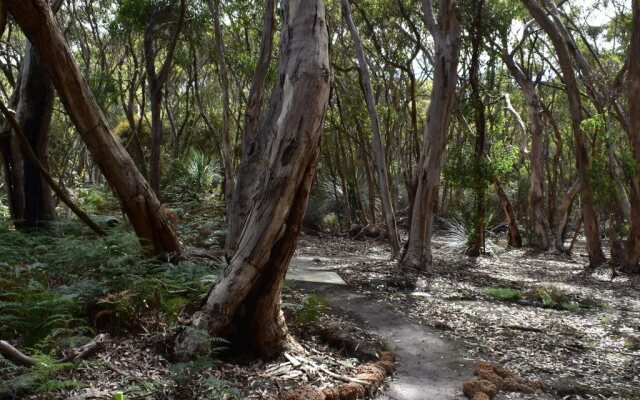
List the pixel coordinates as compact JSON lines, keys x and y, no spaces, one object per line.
{"x":550,"y":296}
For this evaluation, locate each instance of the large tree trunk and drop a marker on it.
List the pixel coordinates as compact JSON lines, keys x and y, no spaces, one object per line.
{"x":633,"y":78}
{"x":138,"y":201}
{"x":244,"y":305}
{"x":446,"y":35}
{"x":378,"y":146}
{"x":591,"y":229}
{"x":34,"y":115}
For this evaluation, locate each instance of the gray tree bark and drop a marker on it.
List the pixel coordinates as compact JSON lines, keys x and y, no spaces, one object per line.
{"x":446,"y":35}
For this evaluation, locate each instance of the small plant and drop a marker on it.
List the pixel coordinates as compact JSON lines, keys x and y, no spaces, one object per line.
{"x":504,"y":294}
{"x":311,"y":309}
{"x":550,"y":296}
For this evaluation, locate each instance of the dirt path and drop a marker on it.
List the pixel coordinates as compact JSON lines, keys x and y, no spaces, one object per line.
{"x":428,"y":366}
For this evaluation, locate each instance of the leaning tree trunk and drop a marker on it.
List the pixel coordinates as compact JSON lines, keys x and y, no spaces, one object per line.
{"x":563,"y":214}
{"x":633,"y":78}
{"x":378,"y":146}
{"x":244,"y":305}
{"x":446,"y":35}
{"x":138,"y":201}
{"x":34,"y":115}
{"x":591,"y":229}
{"x":515,"y":239}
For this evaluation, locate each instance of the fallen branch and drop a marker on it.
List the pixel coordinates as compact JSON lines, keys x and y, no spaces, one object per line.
{"x":16,"y":356}
{"x":31,"y":155}
{"x":81,"y":353}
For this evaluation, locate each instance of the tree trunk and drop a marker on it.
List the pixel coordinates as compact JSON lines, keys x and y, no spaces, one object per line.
{"x":478,"y":245}
{"x":139,"y":203}
{"x":226,"y":148}
{"x":536,"y":191}
{"x":515,"y":239}
{"x":244,"y":305}
{"x":633,"y":79}
{"x":156,"y":81}
{"x":34,"y":115}
{"x":563,"y":214}
{"x":590,"y":220}
{"x":13,"y":167}
{"x":446,"y":35}
{"x":257,"y":92}
{"x":379,"y":150}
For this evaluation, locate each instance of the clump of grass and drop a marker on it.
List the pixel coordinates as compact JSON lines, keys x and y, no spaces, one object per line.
{"x":551,"y":296}
{"x":504,"y":294}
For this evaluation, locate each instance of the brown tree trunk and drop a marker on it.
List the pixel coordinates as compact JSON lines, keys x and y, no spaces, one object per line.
{"x":244,"y":305}
{"x":590,"y":220}
{"x":378,"y":145}
{"x":515,"y":239}
{"x":156,"y":81}
{"x":633,"y":79}
{"x":138,"y":201}
{"x":563,"y":215}
{"x":34,"y":115}
{"x":535,"y":156}
{"x":446,"y":36}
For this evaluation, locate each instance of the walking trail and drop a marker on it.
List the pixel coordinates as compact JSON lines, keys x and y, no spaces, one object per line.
{"x":428,"y":367}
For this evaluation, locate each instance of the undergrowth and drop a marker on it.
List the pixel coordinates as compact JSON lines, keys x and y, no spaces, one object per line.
{"x":56,"y":293}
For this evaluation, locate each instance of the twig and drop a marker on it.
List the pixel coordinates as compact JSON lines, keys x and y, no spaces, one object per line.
{"x":26,"y":148}
{"x":523,"y":328}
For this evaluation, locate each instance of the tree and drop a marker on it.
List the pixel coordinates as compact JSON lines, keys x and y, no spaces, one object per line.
{"x":530,"y":88}
{"x":633,"y":79}
{"x":596,"y":256}
{"x":148,"y":217}
{"x":157,"y":79}
{"x":252,"y":151}
{"x":446,"y":36}
{"x":244,"y":305}
{"x":378,"y":145}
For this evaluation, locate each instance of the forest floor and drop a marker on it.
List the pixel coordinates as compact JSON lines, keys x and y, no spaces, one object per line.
{"x":540,"y":314}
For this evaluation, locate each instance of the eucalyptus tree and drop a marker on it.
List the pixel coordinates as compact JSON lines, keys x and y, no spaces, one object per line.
{"x":244,"y":305}
{"x":148,"y":217}
{"x":633,"y":94}
{"x":445,"y":30}
{"x":379,"y":148}
{"x":592,"y":230}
